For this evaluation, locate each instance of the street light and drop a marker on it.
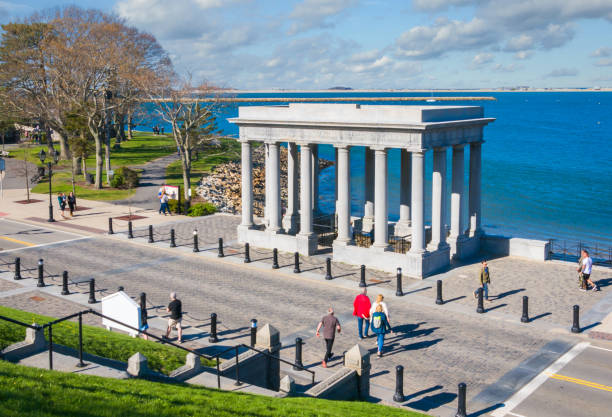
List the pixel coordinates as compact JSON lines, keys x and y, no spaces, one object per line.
{"x":42,"y":156}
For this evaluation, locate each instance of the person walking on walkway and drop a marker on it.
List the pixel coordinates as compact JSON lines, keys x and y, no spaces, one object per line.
{"x":71,"y":203}
{"x":586,"y":267}
{"x":163,"y":200}
{"x":485,"y":280}
{"x":379,"y":302}
{"x":329,"y":323}
{"x":361,"y":310}
{"x":175,"y":308}
{"x":380,"y":326}
{"x":61,"y":201}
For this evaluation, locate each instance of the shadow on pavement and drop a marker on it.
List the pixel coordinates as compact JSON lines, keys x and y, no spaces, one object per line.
{"x":422,"y":392}
{"x":486,"y":410}
{"x":506,"y":293}
{"x":432,"y":401}
{"x":539,"y":316}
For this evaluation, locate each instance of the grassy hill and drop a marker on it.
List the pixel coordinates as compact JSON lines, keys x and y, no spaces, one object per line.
{"x":35,"y":392}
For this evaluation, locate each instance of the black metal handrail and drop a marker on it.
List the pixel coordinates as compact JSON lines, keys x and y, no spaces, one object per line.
{"x":300,"y":367}
{"x":34,"y":327}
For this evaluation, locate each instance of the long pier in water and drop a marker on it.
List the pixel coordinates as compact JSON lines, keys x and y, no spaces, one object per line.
{"x":337,"y":99}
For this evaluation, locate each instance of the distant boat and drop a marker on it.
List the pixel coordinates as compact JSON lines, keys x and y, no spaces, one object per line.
{"x":431,"y":100}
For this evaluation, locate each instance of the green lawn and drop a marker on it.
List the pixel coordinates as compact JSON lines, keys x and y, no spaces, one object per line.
{"x":33,"y":392}
{"x":96,"y":340}
{"x":205,"y":162}
{"x":144,"y":147}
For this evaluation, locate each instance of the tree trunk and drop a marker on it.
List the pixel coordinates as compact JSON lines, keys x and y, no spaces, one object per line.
{"x":84,"y":168}
{"x":50,"y":147}
{"x":99,"y":161}
{"x":107,"y":157}
{"x":186,"y":164}
{"x":129,"y":126}
{"x":64,"y":149}
{"x":77,"y":165}
{"x":27,"y":178}
{"x":120,"y":128}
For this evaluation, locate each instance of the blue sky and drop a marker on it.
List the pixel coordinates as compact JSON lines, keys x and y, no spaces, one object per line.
{"x":317,"y":44}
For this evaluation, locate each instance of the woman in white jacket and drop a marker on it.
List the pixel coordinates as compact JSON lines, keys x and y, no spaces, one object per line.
{"x":379,"y":301}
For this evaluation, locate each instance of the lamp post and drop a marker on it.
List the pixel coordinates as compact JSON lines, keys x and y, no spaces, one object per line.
{"x":42,"y":156}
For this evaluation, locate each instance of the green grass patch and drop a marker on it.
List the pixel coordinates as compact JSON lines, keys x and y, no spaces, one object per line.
{"x":62,"y":181}
{"x":96,"y":340}
{"x":35,"y":392}
{"x":205,"y":161}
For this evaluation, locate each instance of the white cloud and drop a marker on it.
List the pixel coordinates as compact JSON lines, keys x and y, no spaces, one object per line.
{"x":506,"y":68}
{"x":481,"y":59}
{"x":523,"y":55}
{"x":604,"y":62}
{"x":562,"y":72}
{"x":312,"y":14}
{"x":439,"y":5}
{"x":601,"y":52}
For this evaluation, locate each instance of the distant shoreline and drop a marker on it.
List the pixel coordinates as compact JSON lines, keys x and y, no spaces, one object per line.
{"x":475,"y":90}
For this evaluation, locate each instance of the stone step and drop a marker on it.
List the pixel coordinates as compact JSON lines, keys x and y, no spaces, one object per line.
{"x":66,"y":359}
{"x":209,"y":380}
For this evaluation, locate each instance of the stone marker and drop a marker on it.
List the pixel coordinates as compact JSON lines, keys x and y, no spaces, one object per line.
{"x":358,"y":359}
{"x":287,"y":385}
{"x":137,"y":365}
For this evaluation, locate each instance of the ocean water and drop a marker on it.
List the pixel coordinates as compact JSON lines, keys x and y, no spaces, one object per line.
{"x":547,"y":164}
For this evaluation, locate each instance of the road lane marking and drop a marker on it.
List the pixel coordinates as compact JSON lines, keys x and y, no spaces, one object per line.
{"x":47,"y":244}
{"x":600,"y":348}
{"x":581,"y":382}
{"x":37,"y":226}
{"x":21,"y":242}
{"x":542,"y":377}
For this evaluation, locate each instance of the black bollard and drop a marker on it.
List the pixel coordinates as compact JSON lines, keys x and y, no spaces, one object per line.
{"x":461,"y":404}
{"x":195,"y":241}
{"x":398,"y":397}
{"x":172,"y":239}
{"x":151,"y":233}
{"x":525,"y":316}
{"x":17,"y":268}
{"x":576,"y":324}
{"x":213,"y":329}
{"x":65,"y":283}
{"x":92,"y":291}
{"x":220,"y":254}
{"x":253,"y":332}
{"x":120,"y":288}
{"x":130,"y":231}
{"x":110,"y":226}
{"x":328,"y":274}
{"x":143,"y":309}
{"x":41,"y":282}
{"x":298,"y":354}
{"x":296,"y":263}
{"x":362,"y":282}
{"x":398,"y":290}
{"x":275,"y":258}
{"x":247,"y":253}
{"x":439,"y":299}
{"x":480,"y":308}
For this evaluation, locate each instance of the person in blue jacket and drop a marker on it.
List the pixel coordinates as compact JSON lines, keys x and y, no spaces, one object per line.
{"x":380,"y":326}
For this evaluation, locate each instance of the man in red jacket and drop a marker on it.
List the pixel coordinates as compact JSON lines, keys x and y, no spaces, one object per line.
{"x":361,"y":309}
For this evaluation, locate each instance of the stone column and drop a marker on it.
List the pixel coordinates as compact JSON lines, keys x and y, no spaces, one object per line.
{"x":274,"y":201}
{"x":247,"y":185}
{"x":438,"y":197}
{"x":417,"y":206}
{"x":380,"y":200}
{"x":368,"y":215}
{"x":315,"y":179}
{"x":336,"y":180}
{"x":475,"y":187}
{"x":457,"y":193}
{"x":402,"y":228}
{"x":344,"y":194}
{"x":290,"y":219}
{"x":266,"y":185}
{"x":305,"y":190}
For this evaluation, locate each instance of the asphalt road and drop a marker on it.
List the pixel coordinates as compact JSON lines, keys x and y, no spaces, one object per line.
{"x":16,"y":235}
{"x":437,"y":348}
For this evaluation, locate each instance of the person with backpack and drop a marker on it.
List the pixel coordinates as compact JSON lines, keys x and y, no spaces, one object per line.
{"x":380,"y":326}
{"x":379,"y":301}
{"x":485,"y":280}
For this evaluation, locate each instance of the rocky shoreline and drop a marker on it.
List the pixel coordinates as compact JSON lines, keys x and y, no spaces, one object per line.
{"x":222,"y":186}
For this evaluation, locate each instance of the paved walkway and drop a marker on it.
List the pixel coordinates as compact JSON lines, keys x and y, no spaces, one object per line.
{"x":152,"y":177}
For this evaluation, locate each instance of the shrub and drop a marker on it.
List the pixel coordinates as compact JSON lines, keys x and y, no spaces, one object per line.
{"x":173,"y":206}
{"x":201,"y":209}
{"x":124,"y":178}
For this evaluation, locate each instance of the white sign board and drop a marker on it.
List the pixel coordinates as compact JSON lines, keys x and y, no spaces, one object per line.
{"x":172,"y":191}
{"x":121,"y":307}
